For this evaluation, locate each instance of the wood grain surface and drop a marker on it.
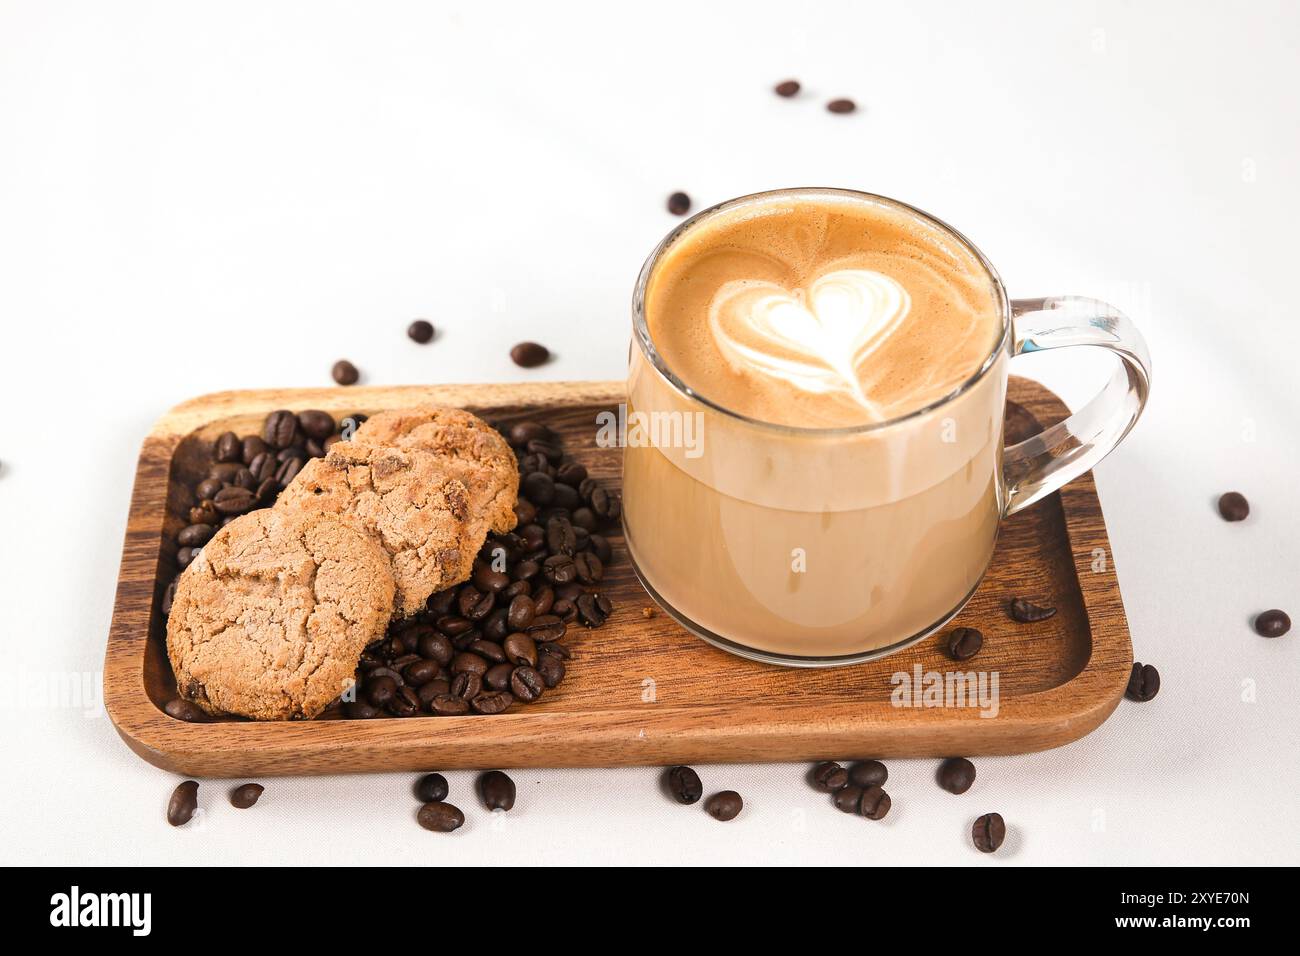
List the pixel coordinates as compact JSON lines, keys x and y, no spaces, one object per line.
{"x":640,"y":691}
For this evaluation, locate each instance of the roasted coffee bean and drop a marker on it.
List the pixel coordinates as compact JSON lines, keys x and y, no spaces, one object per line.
{"x":234,"y":500}
{"x":564,"y":609}
{"x":1272,"y":623}
{"x":560,"y":537}
{"x":725,"y":805}
{"x":590,"y":570}
{"x":520,"y":613}
{"x":243,"y":797}
{"x":280,"y":429}
{"x":388,"y":672}
{"x":207,"y":489}
{"x":1143,"y":682}
{"x":436,"y":647}
{"x":607,"y":506}
{"x":964,"y":643}
{"x":496,"y":790}
{"x":683,"y":783}
{"x":538,"y":487}
{"x":439,"y":687}
{"x":533,"y":539}
{"x":359,"y":710}
{"x":956,"y":774}
{"x":841,"y":106}
{"x":195,"y":535}
{"x":521,"y":433}
{"x":497,"y":625}
{"x":316,"y":424}
{"x":405,"y":703}
{"x":543,"y":600}
{"x":489,"y":581}
{"x":525,"y":512}
{"x":489,"y":651}
{"x":251,"y":447}
{"x":345,"y":373}
{"x":492,"y":702}
{"x":1233,"y":506}
{"x":1028,"y":613}
{"x":526,"y":684}
{"x":546,"y":628}
{"x":848,"y":799}
{"x":593,"y":609}
{"x":225,"y":471}
{"x":787,"y":88}
{"x":183,"y":803}
{"x":431,"y":788}
{"x":181,"y":709}
{"x":988,"y":832}
{"x":601,"y":549}
{"x":548,"y":449}
{"x":875,"y":803}
{"x":421,"y":330}
{"x":380,"y":690}
{"x":467,"y":663}
{"x":520,"y":649}
{"x":529,"y":354}
{"x":421,"y":671}
{"x":679,"y":204}
{"x":530,"y":464}
{"x":467,"y":685}
{"x":453,"y":626}
{"x":267,"y":491}
{"x":553,"y":649}
{"x":571,"y":473}
{"x":449,"y":705}
{"x":868,"y":773}
{"x":585,"y":519}
{"x":440,"y":817}
{"x":828,"y":776}
{"x":559,"y":569}
{"x":498,"y":676}
{"x":551,"y":668}
{"x":228,"y":448}
{"x":288,"y":471}
{"x":264,"y":466}
{"x":440,"y":603}
{"x":474,"y":606}
{"x":516,"y":589}
{"x":244,"y":479}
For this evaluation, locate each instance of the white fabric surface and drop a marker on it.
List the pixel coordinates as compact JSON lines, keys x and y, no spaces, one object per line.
{"x":197,"y":197}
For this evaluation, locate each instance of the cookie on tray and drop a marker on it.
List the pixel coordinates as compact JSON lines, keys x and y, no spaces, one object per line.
{"x":416,"y":510}
{"x":270,"y":619}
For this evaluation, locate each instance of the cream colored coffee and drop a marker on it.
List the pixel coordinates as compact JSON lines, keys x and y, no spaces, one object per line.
{"x":821,"y":313}
{"x":805,"y":542}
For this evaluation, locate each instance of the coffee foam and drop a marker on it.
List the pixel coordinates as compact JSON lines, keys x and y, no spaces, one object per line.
{"x":822,"y":312}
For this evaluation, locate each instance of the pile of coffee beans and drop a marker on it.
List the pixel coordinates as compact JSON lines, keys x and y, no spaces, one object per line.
{"x":683,"y":785}
{"x":856,"y":789}
{"x":248,"y":472}
{"x":497,"y":639}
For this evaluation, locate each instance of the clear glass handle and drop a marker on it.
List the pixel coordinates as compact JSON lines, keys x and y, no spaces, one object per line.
{"x":1040,"y":465}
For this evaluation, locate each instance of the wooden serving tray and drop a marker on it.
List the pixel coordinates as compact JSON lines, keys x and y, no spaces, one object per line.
{"x":640,"y":691}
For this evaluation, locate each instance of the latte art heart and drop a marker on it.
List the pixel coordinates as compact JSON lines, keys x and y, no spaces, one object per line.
{"x":816,"y":339}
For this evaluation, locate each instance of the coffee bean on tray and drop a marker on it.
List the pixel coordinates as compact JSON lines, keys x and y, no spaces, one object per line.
{"x":316,"y":424}
{"x":828,"y":776}
{"x":497,"y":790}
{"x":529,"y":354}
{"x":440,"y":817}
{"x":988,"y":832}
{"x":280,"y":428}
{"x":684,"y":784}
{"x":956,"y":774}
{"x":1233,"y":506}
{"x":787,"y":88}
{"x":1273,"y":623}
{"x":421,"y":330}
{"x":181,"y":709}
{"x":964,"y":643}
{"x":1143,"y":682}
{"x":868,"y":773}
{"x":345,"y":373}
{"x":183,"y":803}
{"x":431,"y":788}
{"x":243,"y":797}
{"x":1027,"y":612}
{"x":679,"y":204}
{"x":725,"y":805}
{"x":227,"y":447}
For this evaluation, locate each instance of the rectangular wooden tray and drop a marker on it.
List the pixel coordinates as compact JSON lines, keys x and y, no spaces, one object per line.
{"x":639,"y":691}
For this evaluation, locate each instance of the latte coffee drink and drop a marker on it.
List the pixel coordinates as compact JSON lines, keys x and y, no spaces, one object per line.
{"x":841,"y":361}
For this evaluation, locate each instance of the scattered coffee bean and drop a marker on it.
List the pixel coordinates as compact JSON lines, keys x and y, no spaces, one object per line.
{"x":679,"y":204}
{"x":497,"y":790}
{"x":724,"y":805}
{"x":551,"y":667}
{"x":841,"y":106}
{"x":684,"y":784}
{"x":964,"y":643}
{"x":1234,"y":506}
{"x":988,"y":832}
{"x":440,"y":817}
{"x":243,"y":797}
{"x":431,"y":788}
{"x":875,"y":803}
{"x":183,"y":803}
{"x":828,"y":776}
{"x":420,"y":331}
{"x":1273,"y":623}
{"x":848,"y":799}
{"x":787,"y":88}
{"x":956,"y":774}
{"x":345,"y":373}
{"x":529,"y":354}
{"x":868,"y":773}
{"x":1028,"y":613}
{"x":593,"y":609}
{"x":1143,"y":682}
{"x":182,"y":709}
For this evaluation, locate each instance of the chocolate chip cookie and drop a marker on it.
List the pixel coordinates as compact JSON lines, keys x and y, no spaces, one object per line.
{"x":407,"y":500}
{"x":271,"y":617}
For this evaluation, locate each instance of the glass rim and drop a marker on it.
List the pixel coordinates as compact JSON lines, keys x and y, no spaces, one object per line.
{"x":642,"y":330}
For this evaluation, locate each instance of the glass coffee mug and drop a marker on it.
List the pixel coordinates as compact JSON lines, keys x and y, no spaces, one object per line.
{"x":815,"y":547}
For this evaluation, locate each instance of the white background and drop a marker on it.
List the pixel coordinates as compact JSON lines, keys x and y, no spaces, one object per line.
{"x":197,"y":197}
